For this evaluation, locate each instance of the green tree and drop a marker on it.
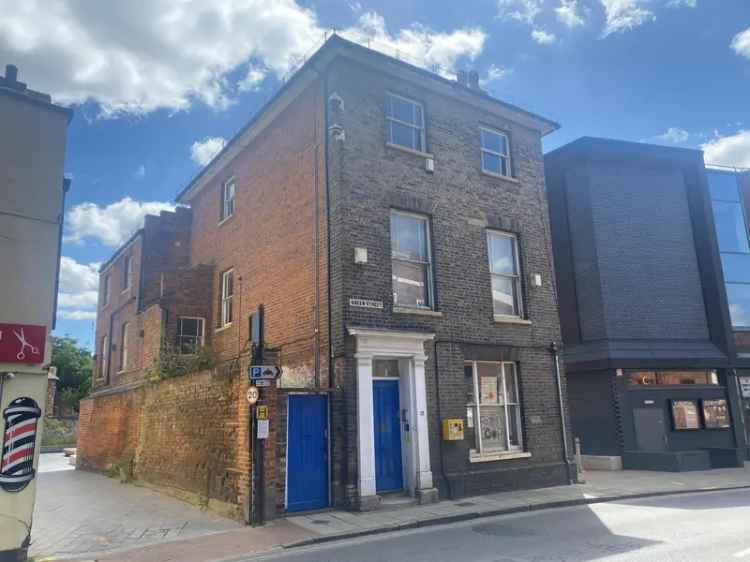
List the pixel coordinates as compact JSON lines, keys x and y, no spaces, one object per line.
{"x":74,"y":364}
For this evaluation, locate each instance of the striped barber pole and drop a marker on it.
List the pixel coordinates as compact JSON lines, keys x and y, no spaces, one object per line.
{"x":17,"y":468}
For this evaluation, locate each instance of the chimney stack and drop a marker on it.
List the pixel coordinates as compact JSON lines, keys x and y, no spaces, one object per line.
{"x":11,"y":73}
{"x":474,"y":80}
{"x":462,"y":78}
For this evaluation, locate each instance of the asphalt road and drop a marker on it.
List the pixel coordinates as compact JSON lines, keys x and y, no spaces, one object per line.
{"x":707,"y":527}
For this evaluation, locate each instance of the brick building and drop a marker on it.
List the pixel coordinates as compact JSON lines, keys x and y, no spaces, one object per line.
{"x":653,"y":328}
{"x":392,"y":224}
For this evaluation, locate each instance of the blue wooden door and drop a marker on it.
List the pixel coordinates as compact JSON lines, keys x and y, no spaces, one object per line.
{"x":388,"y":469}
{"x":307,"y":452}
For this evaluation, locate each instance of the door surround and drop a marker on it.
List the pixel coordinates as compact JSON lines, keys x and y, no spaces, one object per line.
{"x":408,"y":346}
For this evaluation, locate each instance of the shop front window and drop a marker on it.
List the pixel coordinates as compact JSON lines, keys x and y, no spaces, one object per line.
{"x":671,"y":378}
{"x":493,"y":408}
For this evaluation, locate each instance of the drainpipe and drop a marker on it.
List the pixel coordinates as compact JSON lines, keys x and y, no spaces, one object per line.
{"x":440,"y":420}
{"x":563,"y":426}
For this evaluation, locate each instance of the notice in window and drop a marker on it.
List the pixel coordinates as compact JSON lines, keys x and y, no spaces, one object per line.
{"x":493,"y":430}
{"x":488,"y":388}
{"x":685,"y":414}
{"x":716,"y":414}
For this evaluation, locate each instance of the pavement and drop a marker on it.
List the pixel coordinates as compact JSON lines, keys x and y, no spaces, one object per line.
{"x":685,"y":528}
{"x":78,"y":514}
{"x":85,"y":516}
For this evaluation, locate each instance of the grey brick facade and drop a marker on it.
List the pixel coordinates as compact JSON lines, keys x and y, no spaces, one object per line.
{"x":367,"y":180}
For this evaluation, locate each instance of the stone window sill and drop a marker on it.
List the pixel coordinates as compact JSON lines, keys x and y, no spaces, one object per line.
{"x":222,"y":328}
{"x":409,"y":150}
{"x":225,"y":220}
{"x":500,"y":319}
{"x":505,"y":456}
{"x":417,"y":311}
{"x":511,"y":179}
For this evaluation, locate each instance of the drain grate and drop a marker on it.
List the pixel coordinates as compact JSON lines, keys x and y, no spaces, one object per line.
{"x":320,"y":521}
{"x":465,"y":504}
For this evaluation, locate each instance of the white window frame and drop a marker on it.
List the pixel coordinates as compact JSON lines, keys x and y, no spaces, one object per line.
{"x":429,"y":289}
{"x":128,"y":274}
{"x":500,"y":155}
{"x":228,"y":203}
{"x":105,"y":355}
{"x":515,"y":277}
{"x":226,"y":300}
{"x":390,"y":119}
{"x":476,"y":405}
{"x":106,"y":289}
{"x":201,"y":337}
{"x":124,"y":347}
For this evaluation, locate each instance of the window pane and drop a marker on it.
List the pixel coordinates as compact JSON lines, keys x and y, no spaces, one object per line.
{"x":730,"y":227}
{"x":514,"y":425}
{"x":738,"y":297}
{"x":502,"y":254}
{"x":490,"y":383}
{"x":736,"y":268}
{"x":723,"y":186}
{"x":189,"y":326}
{"x":504,"y":295}
{"x":408,"y":237}
{"x":403,"y":135}
{"x":228,"y":285}
{"x":492,"y":163}
{"x":510,"y":383}
{"x":410,"y":284}
{"x":494,"y":142}
{"x":403,"y":110}
{"x":492,"y":424}
{"x":418,"y":116}
{"x":385,"y":368}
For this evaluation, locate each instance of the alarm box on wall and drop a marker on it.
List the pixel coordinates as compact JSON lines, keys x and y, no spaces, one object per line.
{"x":453,"y":430}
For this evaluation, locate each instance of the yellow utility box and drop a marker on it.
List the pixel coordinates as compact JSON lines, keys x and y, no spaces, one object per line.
{"x":453,"y":430}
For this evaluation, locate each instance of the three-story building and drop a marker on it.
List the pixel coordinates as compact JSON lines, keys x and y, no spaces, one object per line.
{"x":391,"y":228}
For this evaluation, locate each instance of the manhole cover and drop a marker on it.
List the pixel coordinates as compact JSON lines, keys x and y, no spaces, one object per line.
{"x":465,"y":504}
{"x":496,"y":530}
{"x":320,"y":521}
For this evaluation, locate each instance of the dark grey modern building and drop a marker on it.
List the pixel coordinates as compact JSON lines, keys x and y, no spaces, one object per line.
{"x":640,"y":233}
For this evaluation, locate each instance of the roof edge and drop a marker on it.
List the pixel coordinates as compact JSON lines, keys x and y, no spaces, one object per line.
{"x":317,"y":62}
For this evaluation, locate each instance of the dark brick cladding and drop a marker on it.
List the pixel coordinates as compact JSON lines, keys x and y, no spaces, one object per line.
{"x":367,"y":180}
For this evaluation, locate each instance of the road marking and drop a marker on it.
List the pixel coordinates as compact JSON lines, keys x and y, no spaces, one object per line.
{"x":742,"y":553}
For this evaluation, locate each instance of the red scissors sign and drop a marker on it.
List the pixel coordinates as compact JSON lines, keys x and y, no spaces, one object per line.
{"x":22,"y":343}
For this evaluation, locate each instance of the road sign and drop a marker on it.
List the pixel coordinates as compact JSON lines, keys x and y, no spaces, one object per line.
{"x":261,"y":412}
{"x":263,"y":372}
{"x":253,"y":394}
{"x":262,"y":382}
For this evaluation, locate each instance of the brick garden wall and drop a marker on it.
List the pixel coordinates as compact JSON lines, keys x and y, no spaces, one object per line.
{"x":187,"y":434}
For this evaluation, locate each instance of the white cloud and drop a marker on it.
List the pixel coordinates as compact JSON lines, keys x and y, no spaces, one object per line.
{"x":623,"y":15}
{"x":418,"y":44}
{"x":731,"y":150}
{"x":252,"y":80}
{"x":543,"y":37}
{"x":674,"y":135}
{"x":494,"y":72}
{"x":741,"y":43}
{"x":111,"y":225}
{"x":143,"y":55}
{"x":682,"y":3}
{"x":522,"y":10}
{"x":202,"y":152}
{"x":78,"y":291}
{"x":77,"y":314}
{"x":567,"y":13}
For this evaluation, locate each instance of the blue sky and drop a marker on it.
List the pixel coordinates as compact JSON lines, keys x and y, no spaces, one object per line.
{"x":159,"y":84}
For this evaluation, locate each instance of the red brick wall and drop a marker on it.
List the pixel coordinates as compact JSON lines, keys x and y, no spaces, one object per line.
{"x":188,"y":434}
{"x":121,"y":308}
{"x":274,"y":240}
